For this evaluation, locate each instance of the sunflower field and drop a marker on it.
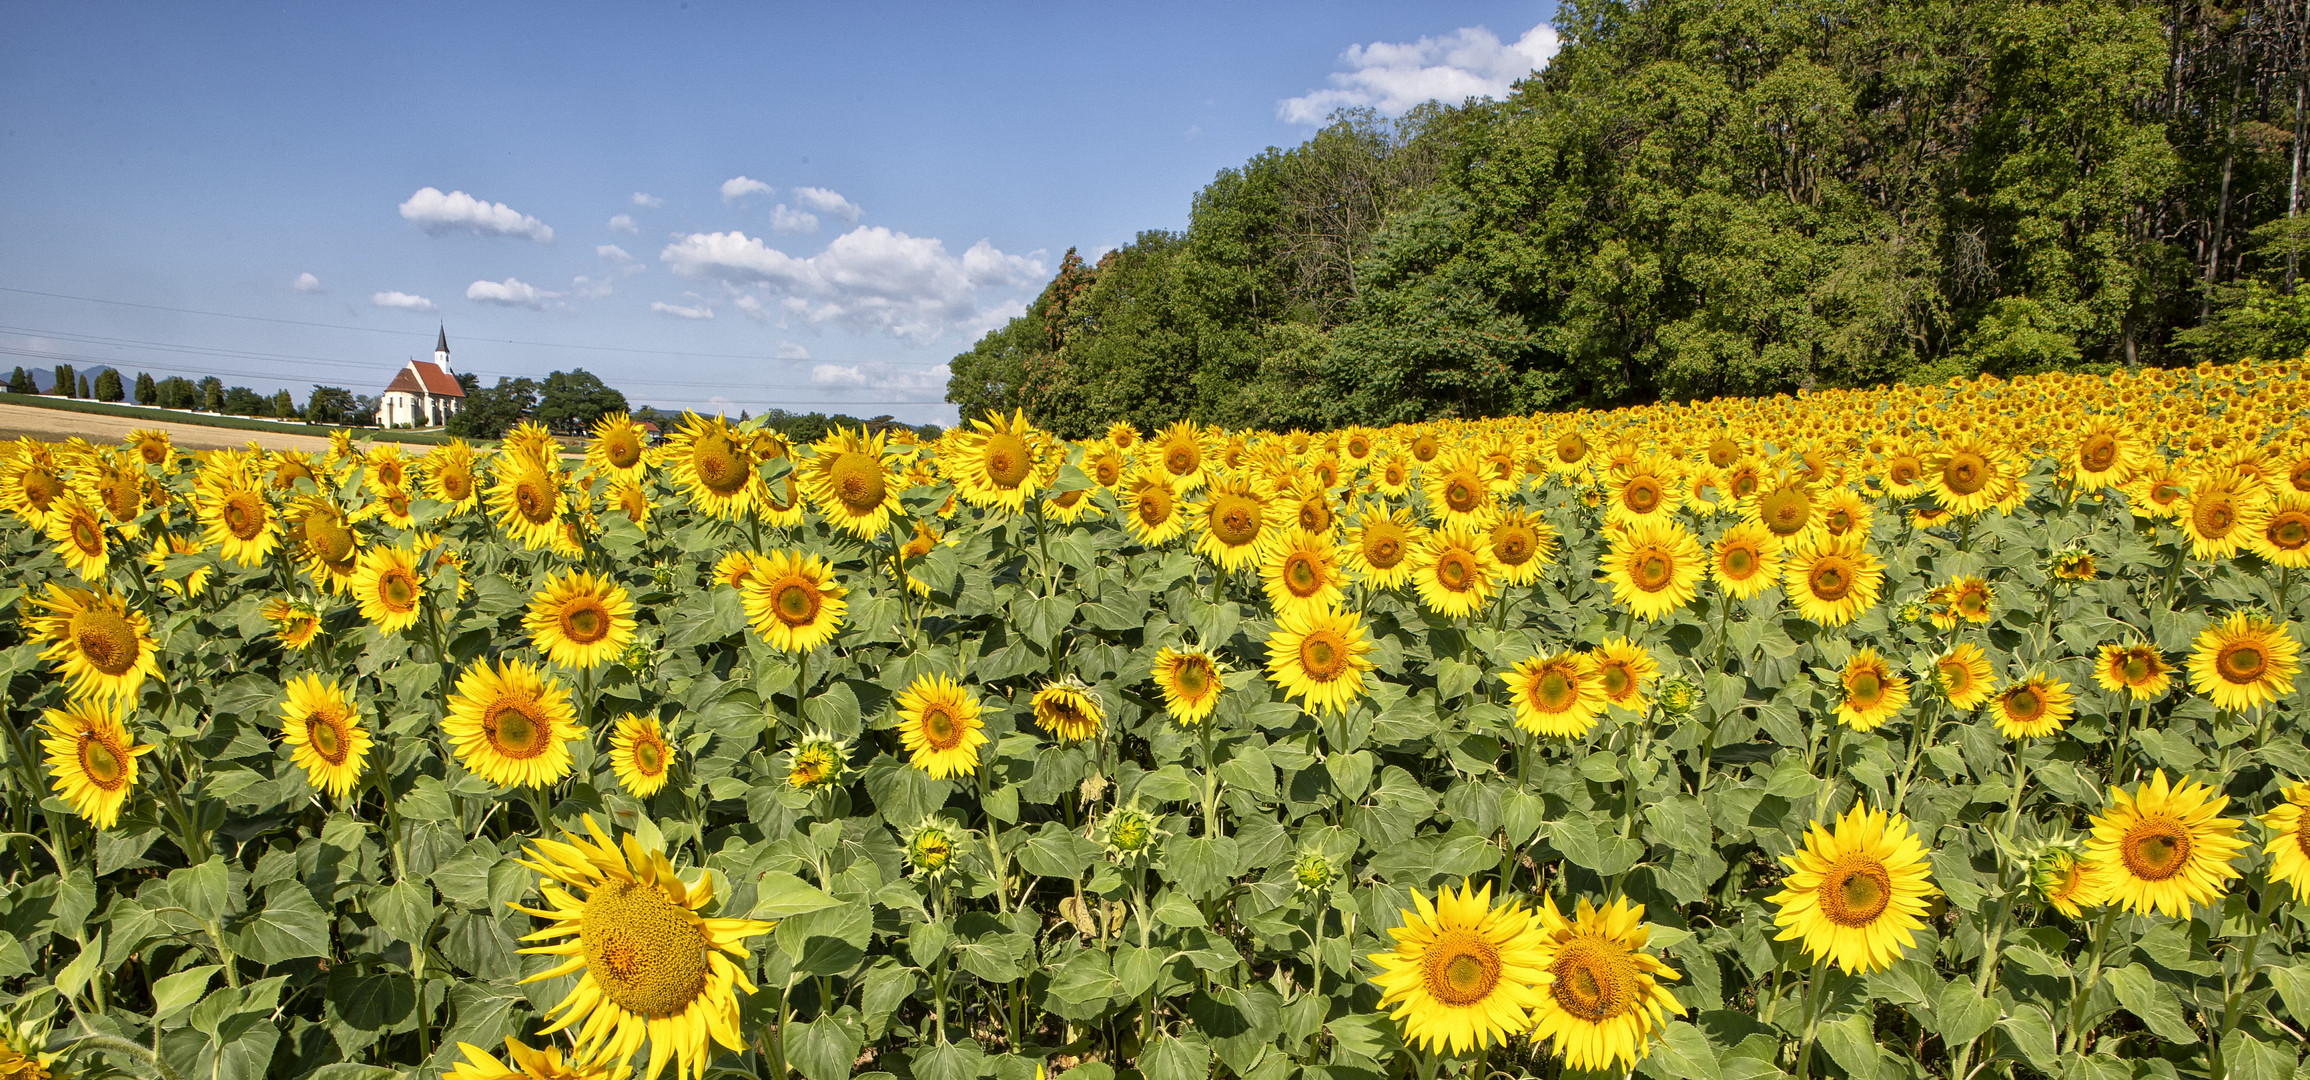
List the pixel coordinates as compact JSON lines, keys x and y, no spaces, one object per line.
{"x":1925,"y":731}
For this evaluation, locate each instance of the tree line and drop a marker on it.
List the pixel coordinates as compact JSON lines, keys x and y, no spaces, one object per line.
{"x":1709,"y":197}
{"x":567,"y":402}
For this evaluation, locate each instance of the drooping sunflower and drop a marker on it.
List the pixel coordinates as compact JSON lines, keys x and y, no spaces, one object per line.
{"x":1855,"y":897}
{"x":619,"y":449}
{"x":102,"y":647}
{"x":939,"y":724}
{"x":653,"y":969}
{"x":78,"y":533}
{"x":91,"y":758}
{"x":326,"y":541}
{"x":580,"y":620}
{"x":511,"y":725}
{"x":1234,"y":520}
{"x":1873,"y":694}
{"x":295,"y":622}
{"x":793,"y":601}
{"x":640,"y":755}
{"x":2289,"y":844}
{"x":239,"y":523}
{"x":528,"y":1064}
{"x":1625,"y":671}
{"x":1381,"y":544}
{"x":1746,"y":560}
{"x":1522,"y":546}
{"x":1558,"y":695}
{"x":1832,"y":581}
{"x":1069,"y":710}
{"x":2138,"y":670}
{"x":324,"y":733}
{"x":1964,"y":677}
{"x":1300,"y":570}
{"x":1189,"y":680}
{"x":995,"y":462}
{"x":527,"y":501}
{"x":387,"y":585}
{"x":2066,"y":882}
{"x":1654,"y":568}
{"x":1605,"y":1002}
{"x":2165,"y":848}
{"x":448,"y":472}
{"x":2032,"y":708}
{"x":1464,"y":974}
{"x":1317,"y":656}
{"x":1454,"y":571}
{"x":714,"y":466}
{"x":31,"y":481}
{"x":2244,"y":661}
{"x":1152,"y":506}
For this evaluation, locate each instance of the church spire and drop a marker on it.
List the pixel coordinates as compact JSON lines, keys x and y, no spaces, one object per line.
{"x":442,"y":346}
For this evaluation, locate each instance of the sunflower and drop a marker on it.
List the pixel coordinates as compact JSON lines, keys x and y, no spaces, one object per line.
{"x":31,"y":481}
{"x":2077,"y":564}
{"x":2223,"y":512}
{"x":1381,"y":545}
{"x":1073,"y":505}
{"x":1317,"y":655}
{"x":1558,"y":695}
{"x":1903,"y":474}
{"x":1069,"y":710}
{"x":448,"y":473}
{"x":1459,"y":493}
{"x":1305,"y":504}
{"x":117,"y":489}
{"x":793,"y":601}
{"x":323,"y":538}
{"x":2067,"y":883}
{"x":1745,"y":561}
{"x":2158,"y":492}
{"x":714,"y":466}
{"x":640,"y":755}
{"x":240,"y":524}
{"x":580,"y":620}
{"x":156,"y":560}
{"x":2165,"y":849}
{"x":511,"y":725}
{"x":1522,"y":546}
{"x":1964,"y":677}
{"x":1454,"y":572}
{"x":817,"y":762}
{"x":1832,"y":581}
{"x":1654,"y":568}
{"x":1568,"y":453}
{"x":384,"y":468}
{"x":1189,"y":680}
{"x":78,"y":533}
{"x":1178,"y":453}
{"x":392,"y":506}
{"x":1625,"y":671}
{"x":389,"y":589}
{"x":1846,"y":511}
{"x":2289,"y":846}
{"x":528,"y":1064}
{"x":653,"y":969}
{"x":1152,"y":506}
{"x":2139,"y":670}
{"x":295,"y":622}
{"x":1855,"y":897}
{"x":619,"y":448}
{"x":1873,"y":694}
{"x":152,"y":446}
{"x":324,"y":733}
{"x":628,"y":497}
{"x":1784,"y":510}
{"x":1300,"y":570}
{"x":1392,"y":475}
{"x":1463,"y":974}
{"x":103,"y":647}
{"x":931,"y":846}
{"x":527,"y":500}
{"x":2104,"y":454}
{"x":1965,"y":599}
{"x":2244,"y":661}
{"x":995,"y":461}
{"x":1234,"y":522}
{"x":1968,"y":475}
{"x":1644,"y":488}
{"x":91,"y":758}
{"x":939,"y":724}
{"x":2033,"y":708}
{"x":1604,"y":1002}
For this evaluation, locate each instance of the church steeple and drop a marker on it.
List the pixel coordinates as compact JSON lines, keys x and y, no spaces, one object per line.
{"x":441,"y":349}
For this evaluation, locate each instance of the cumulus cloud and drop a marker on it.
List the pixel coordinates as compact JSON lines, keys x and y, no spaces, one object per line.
{"x":623,"y":223}
{"x":827,"y":202}
{"x":588,"y":289}
{"x":306,"y":283}
{"x":787,"y":220}
{"x":401,"y":300}
{"x":788,"y":350}
{"x":679,"y":311}
{"x":643,"y":198}
{"x":627,"y":264}
{"x":512,"y":292}
{"x":750,"y":307}
{"x":867,"y":279}
{"x":879,"y":376}
{"x":437,"y":213}
{"x":738,"y":187}
{"x":1395,"y":76}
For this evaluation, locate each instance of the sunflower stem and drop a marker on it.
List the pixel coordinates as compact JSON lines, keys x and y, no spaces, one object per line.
{"x":1811,"y":1025}
{"x":2092,"y":976}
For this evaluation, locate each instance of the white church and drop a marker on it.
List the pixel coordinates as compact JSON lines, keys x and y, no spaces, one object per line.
{"x":424,"y":394}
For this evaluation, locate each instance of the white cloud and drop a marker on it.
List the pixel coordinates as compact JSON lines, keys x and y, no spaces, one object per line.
{"x":750,"y":307}
{"x":627,"y":264}
{"x":306,"y":283}
{"x":867,"y":279}
{"x":589,"y":289}
{"x":827,"y":202}
{"x":787,"y":220}
{"x":788,"y":350}
{"x":1395,"y":76}
{"x":512,"y":292}
{"x":879,"y":376}
{"x":402,"y":300}
{"x":680,"y":312}
{"x":643,"y":198}
{"x":738,"y":187}
{"x":437,"y":213}
{"x":623,"y":223}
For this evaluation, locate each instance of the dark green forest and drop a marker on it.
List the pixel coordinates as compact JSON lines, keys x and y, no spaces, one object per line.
{"x":1710,"y":197}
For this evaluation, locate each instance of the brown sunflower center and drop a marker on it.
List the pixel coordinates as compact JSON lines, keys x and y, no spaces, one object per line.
{"x":1595,"y":981}
{"x":103,"y":760}
{"x":533,"y":498}
{"x":2024,"y":703}
{"x":87,"y":535}
{"x":1314,"y":515}
{"x":1740,"y":563}
{"x":1553,"y":691}
{"x":1965,"y":472}
{"x":1235,"y":519}
{"x":1006,"y":459}
{"x":1642,"y":494}
{"x":328,"y":537}
{"x":1154,"y":506}
{"x":2133,"y":667}
{"x":796,"y":600}
{"x":1617,"y":680}
{"x":1830,"y":579}
{"x":1513,"y":545}
{"x":1785,"y":511}
{"x":1856,"y":890}
{"x":1571,"y":448}
{"x":649,"y":757}
{"x":517,"y":729}
{"x":941,"y":728}
{"x":1902,"y":472}
{"x":859,"y":482}
{"x":1865,"y":689}
{"x":325,"y":736}
{"x":2098,"y":452}
{"x":152,"y":451}
{"x":2242,"y":662}
{"x":585,"y":620}
{"x":244,"y":514}
{"x":42,"y":486}
{"x":1460,"y":968}
{"x":2289,"y":531}
{"x":1192,"y":676}
{"x":2155,"y":848}
{"x":1383,"y":548}
{"x":645,"y":951}
{"x":720,"y":467}
{"x":2214,"y":516}
{"x":1722,"y":451}
{"x":1462,"y":494}
{"x":1653,"y":570}
{"x":1456,"y":571}
{"x":1182,"y":458}
{"x":106,"y":639}
{"x":1323,"y":655}
{"x":621,"y":449}
{"x":1301,"y":575}
{"x":397,"y":590}
{"x":456,"y":482}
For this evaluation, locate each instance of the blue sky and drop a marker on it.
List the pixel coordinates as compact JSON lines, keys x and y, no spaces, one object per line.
{"x":709,"y":205}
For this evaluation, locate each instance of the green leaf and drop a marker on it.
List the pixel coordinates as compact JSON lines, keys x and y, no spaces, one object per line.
{"x":781,"y":895}
{"x":1683,"y":1053}
{"x":1594,"y":843}
{"x":950,"y":1061}
{"x":824,"y":1048}
{"x":202,"y":890}
{"x":1851,"y":1042}
{"x":2249,"y":1058}
{"x":404,"y":910}
{"x":1082,"y":986}
{"x":828,"y":941}
{"x":2027,"y":1034}
{"x":1962,"y":1015}
{"x":1169,"y":1058}
{"x":1201,"y":866}
{"x":291,"y":926}
{"x":2153,"y":1002}
{"x":172,"y":994}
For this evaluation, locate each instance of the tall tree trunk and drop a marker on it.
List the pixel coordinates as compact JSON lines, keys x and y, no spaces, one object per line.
{"x":2229,"y":168}
{"x":2294,"y":183}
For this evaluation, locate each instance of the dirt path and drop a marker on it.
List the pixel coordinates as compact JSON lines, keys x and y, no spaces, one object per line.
{"x":58,"y":424}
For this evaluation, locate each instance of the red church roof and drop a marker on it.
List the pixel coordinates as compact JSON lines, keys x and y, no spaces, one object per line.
{"x":425,"y":377}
